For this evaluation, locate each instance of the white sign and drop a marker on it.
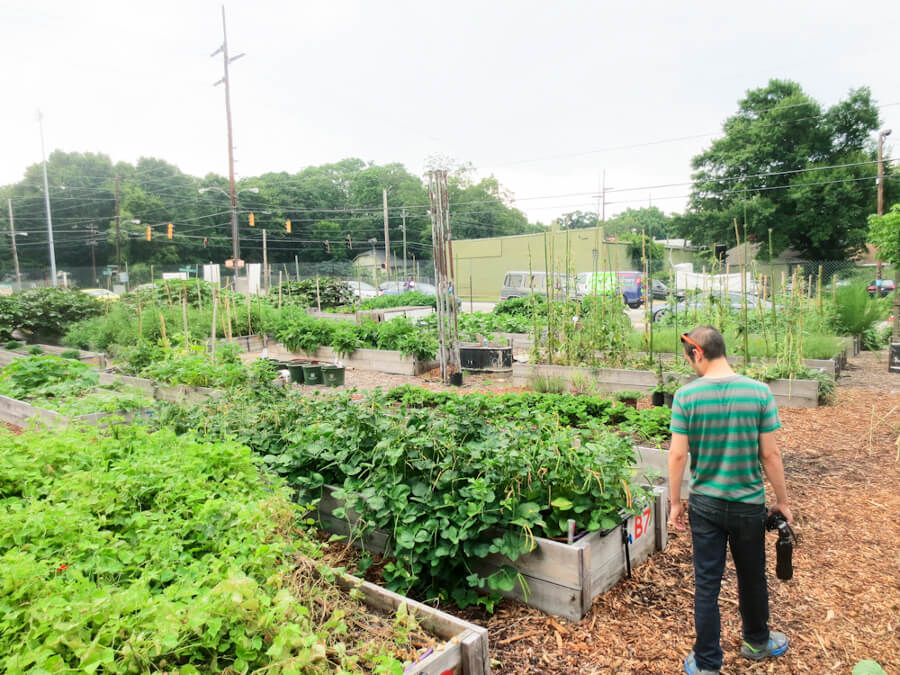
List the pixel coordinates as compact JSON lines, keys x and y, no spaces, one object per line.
{"x":175,"y":275}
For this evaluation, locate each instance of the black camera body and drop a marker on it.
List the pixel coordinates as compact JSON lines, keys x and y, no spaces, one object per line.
{"x":784,"y":547}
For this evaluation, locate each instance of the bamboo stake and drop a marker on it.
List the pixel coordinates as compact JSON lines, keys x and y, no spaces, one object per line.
{"x":140,"y":319}
{"x":318,"y":299}
{"x":249,"y":323}
{"x":279,"y":290}
{"x":212,"y":336}
{"x":162,"y":324}
{"x":199,"y":295}
{"x":184,"y":320}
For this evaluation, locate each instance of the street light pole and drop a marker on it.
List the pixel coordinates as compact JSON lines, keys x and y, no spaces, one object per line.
{"x":881,"y":137}
{"x":47,"y":203}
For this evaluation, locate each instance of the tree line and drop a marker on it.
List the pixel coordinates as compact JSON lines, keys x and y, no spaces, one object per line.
{"x":785,"y":166}
{"x":334,"y":211}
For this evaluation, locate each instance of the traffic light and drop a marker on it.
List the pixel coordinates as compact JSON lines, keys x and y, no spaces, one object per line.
{"x":287,"y":226}
{"x":252,"y":221}
{"x":327,"y":247}
{"x":169,"y":231}
{"x":349,"y":243}
{"x":148,"y":233}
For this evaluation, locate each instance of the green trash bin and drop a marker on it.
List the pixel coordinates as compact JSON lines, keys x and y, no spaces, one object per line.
{"x":312,"y":374}
{"x":296,"y":371}
{"x":333,"y":376}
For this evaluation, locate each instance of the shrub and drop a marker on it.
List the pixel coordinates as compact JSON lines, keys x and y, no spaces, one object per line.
{"x":13,"y":344}
{"x":521,"y":307}
{"x":10,"y":316}
{"x":48,"y":312}
{"x":855,"y":312}
{"x":332,"y":292}
{"x":71,"y":354}
{"x":35,"y":349}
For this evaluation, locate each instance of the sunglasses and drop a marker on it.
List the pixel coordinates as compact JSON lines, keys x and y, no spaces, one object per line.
{"x":686,"y":339}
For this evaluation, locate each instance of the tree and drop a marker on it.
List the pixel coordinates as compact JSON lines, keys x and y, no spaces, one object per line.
{"x":650,"y":220}
{"x":884,"y":235}
{"x":785,"y":164}
{"x":578,"y":220}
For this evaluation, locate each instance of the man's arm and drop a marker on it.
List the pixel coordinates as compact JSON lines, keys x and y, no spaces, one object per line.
{"x":678,"y":454}
{"x":770,"y":458}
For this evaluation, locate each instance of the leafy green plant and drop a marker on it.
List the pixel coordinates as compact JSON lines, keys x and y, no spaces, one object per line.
{"x":13,"y":344}
{"x":628,"y":395}
{"x":583,"y":384}
{"x":521,"y":307}
{"x":35,"y":350}
{"x":451,"y":478}
{"x":407,"y":299}
{"x":70,"y":354}
{"x":48,"y":312}
{"x":855,"y":312}
{"x":10,"y":316}
{"x":197,"y":368}
{"x":132,"y":551}
{"x":46,"y":376}
{"x":332,"y":292}
{"x":868,"y":667}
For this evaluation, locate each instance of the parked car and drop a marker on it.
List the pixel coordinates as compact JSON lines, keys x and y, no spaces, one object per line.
{"x":661,"y":291}
{"x":732,"y":299}
{"x":518,"y":284}
{"x":361,"y":290}
{"x":101,"y":294}
{"x":882,"y":287}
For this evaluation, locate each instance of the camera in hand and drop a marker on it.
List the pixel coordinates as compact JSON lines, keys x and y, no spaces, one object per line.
{"x":784,"y":547}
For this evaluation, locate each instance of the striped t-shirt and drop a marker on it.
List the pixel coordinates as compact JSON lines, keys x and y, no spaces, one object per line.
{"x":723,"y":418}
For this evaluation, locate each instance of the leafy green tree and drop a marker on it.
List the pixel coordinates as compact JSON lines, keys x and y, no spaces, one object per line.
{"x":650,"y":220}
{"x":884,"y":235}
{"x":770,"y":169}
{"x":578,"y":220}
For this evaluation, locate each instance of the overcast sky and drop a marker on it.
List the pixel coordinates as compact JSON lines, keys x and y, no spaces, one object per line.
{"x":543,"y":95}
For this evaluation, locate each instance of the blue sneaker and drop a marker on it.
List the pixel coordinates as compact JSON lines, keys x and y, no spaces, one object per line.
{"x":776,"y":646}
{"x":690,"y":667}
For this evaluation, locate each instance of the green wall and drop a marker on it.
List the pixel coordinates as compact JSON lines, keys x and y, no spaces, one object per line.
{"x":481,"y":264}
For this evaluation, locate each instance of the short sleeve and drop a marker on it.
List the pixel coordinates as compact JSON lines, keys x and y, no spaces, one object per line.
{"x":768,"y":418}
{"x":679,"y":422}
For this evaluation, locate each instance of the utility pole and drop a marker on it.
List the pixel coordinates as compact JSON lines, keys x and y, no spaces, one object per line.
{"x":12,"y":234}
{"x":387,"y":236}
{"x":93,"y":245}
{"x":881,"y":135}
{"x":603,"y":198}
{"x":47,"y":203}
{"x":235,"y":239}
{"x":403,"y":227}
{"x":118,"y":229}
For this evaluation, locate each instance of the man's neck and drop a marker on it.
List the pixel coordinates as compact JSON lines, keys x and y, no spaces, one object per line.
{"x":718,"y":368}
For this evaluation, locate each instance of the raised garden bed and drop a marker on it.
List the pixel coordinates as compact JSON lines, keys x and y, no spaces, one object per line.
{"x":21,"y":414}
{"x":465,"y":651}
{"x":172,"y":393}
{"x":560,"y":578}
{"x":488,"y":358}
{"x":90,"y":358}
{"x":787,"y":393}
{"x":379,"y":360}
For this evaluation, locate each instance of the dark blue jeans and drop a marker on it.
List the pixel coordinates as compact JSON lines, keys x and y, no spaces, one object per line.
{"x":743,"y":526}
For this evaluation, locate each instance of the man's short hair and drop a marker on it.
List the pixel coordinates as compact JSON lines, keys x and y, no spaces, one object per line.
{"x":710,"y":340}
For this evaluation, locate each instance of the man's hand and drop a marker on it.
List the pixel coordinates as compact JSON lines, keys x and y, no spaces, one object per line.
{"x":784,"y":510}
{"x":676,"y":515}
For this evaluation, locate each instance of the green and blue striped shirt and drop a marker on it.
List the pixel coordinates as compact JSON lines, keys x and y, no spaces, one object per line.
{"x":723,"y":418}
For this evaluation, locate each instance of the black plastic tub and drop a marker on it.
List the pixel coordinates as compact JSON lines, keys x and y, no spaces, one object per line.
{"x":485,"y":359}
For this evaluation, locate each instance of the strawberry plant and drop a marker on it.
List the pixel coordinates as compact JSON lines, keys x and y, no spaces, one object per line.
{"x":451,"y":478}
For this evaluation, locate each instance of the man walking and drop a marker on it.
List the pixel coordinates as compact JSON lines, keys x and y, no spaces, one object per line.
{"x":727,"y":422}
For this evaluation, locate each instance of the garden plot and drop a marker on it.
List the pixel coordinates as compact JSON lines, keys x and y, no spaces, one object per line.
{"x":200,"y":566}
{"x":557,"y":577}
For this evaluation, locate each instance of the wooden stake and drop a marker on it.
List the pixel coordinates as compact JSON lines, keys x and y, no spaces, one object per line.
{"x":162,"y":324}
{"x":212,"y":333}
{"x":184,"y":320}
{"x":249,"y":323}
{"x":318,"y":299}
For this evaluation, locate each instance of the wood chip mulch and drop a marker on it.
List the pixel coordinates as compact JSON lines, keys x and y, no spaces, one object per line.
{"x":842,"y":606}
